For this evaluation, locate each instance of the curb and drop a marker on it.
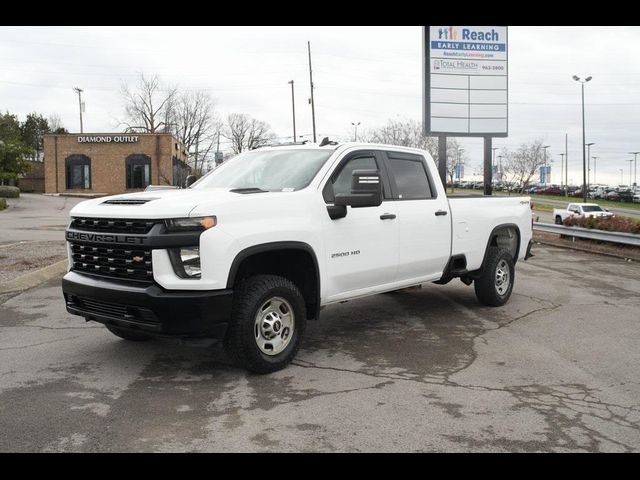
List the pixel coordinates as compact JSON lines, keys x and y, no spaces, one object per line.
{"x":33,"y":279}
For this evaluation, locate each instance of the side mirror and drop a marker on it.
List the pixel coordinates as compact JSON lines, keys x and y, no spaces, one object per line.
{"x":366,"y":190}
{"x":189,"y":181}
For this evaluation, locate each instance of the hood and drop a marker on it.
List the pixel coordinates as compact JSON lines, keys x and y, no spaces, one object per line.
{"x":154,"y":204}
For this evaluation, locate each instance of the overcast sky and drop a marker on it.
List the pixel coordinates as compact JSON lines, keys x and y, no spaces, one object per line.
{"x":361,"y":74}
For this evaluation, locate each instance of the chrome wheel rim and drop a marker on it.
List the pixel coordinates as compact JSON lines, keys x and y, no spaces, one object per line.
{"x":274,"y":325}
{"x":502,"y":277}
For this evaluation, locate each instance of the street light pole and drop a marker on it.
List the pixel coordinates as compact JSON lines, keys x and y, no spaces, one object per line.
{"x":562,"y":179}
{"x":545,"y":163}
{"x":635,"y":165}
{"x":355,"y":134}
{"x":621,"y":176}
{"x":589,"y":164}
{"x":79,"y":92}
{"x":630,"y":161}
{"x":293,"y":108}
{"x":584,"y":149}
{"x":595,"y":171}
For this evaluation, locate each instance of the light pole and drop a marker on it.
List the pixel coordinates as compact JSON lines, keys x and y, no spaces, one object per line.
{"x":545,"y":163}
{"x":562,"y":179}
{"x":584,"y":152}
{"x":635,"y":165}
{"x":630,"y":162}
{"x":79,"y":92}
{"x":459,"y":151}
{"x":355,"y":133}
{"x":293,"y":108}
{"x":589,"y":163}
{"x":621,"y":176}
{"x":595,"y":171}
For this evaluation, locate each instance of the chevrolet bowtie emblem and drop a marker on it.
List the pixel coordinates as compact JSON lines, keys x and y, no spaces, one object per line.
{"x":137,"y":259}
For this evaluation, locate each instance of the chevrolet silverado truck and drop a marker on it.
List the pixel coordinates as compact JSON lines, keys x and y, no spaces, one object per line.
{"x":579,"y":210}
{"x":261,"y":244}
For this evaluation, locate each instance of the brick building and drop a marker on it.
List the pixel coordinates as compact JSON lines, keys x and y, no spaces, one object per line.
{"x":112,"y":163}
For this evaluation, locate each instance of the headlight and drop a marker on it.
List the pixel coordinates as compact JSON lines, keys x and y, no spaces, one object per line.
{"x":186,"y":261}
{"x":194,"y":223}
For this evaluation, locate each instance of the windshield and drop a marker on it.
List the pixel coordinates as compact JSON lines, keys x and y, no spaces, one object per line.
{"x":269,"y":170}
{"x":592,"y":208}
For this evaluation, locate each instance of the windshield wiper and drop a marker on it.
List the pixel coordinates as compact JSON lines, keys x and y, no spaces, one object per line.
{"x":248,"y":190}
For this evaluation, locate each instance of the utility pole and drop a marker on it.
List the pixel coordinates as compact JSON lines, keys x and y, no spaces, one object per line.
{"x":313,"y":106}
{"x":293,"y":108}
{"x":566,"y":164}
{"x":595,"y":169}
{"x":562,"y":179}
{"x":635,"y":165}
{"x":79,"y":92}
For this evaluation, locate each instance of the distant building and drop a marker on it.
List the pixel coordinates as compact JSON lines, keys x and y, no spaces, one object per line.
{"x":112,"y":162}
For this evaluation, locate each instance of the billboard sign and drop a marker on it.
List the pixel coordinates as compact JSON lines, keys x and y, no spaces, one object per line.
{"x":465,"y":81}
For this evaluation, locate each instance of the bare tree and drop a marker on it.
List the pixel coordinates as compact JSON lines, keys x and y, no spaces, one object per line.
{"x":522,"y":165}
{"x":409,"y":133}
{"x":406,"y":133}
{"x":55,"y":124}
{"x":195,"y":123}
{"x":146,"y":105}
{"x":245,"y":132}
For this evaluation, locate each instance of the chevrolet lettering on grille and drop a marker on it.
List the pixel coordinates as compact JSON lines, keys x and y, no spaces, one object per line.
{"x":104,"y":238}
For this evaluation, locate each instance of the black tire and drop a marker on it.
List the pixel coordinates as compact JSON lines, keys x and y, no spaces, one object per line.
{"x":559,"y":220}
{"x":240,"y":341}
{"x":127,"y":334}
{"x":486,"y":284}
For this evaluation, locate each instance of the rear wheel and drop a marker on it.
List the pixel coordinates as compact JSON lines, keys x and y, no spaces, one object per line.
{"x":127,"y":334}
{"x":267,"y":324}
{"x":495,"y":284}
{"x":558,"y":220}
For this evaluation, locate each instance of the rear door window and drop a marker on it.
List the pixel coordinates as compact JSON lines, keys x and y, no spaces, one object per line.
{"x":409,"y":177}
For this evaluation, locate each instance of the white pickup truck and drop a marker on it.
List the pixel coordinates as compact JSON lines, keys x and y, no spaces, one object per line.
{"x":579,"y":210}
{"x":258,"y":246}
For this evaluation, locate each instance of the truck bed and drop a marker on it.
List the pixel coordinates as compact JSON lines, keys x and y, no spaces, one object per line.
{"x":473,"y":218}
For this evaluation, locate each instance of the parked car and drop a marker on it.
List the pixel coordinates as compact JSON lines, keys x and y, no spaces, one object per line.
{"x":255,"y":248}
{"x":580,"y":210}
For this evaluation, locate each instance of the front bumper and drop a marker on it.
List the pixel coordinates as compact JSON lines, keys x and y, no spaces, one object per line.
{"x":149,"y":309}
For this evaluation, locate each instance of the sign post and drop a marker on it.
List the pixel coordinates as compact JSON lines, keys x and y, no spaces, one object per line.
{"x":465,"y":78}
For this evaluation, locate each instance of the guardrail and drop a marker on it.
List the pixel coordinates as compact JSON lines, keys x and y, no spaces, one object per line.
{"x":590,"y":233}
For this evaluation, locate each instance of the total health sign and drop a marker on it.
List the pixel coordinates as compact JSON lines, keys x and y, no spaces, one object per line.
{"x":466,"y":80}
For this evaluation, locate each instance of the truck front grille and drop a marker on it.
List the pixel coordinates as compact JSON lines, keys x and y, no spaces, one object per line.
{"x":116,"y":262}
{"x":112,"y":225}
{"x":127,"y":313}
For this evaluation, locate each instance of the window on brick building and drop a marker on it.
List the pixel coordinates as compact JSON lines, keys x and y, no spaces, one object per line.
{"x":78,"y":171}
{"x":138,"y":171}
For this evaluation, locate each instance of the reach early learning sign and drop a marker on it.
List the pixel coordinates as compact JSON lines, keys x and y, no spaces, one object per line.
{"x":466,"y":80}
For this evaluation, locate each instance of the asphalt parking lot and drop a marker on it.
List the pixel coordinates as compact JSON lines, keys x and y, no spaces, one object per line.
{"x":556,"y":369}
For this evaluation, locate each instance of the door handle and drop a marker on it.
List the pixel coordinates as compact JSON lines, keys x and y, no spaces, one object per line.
{"x":388,"y":216}
{"x":441,"y":213}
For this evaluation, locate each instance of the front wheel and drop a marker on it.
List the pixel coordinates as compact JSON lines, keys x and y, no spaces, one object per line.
{"x":495,"y":284}
{"x":267,"y":323}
